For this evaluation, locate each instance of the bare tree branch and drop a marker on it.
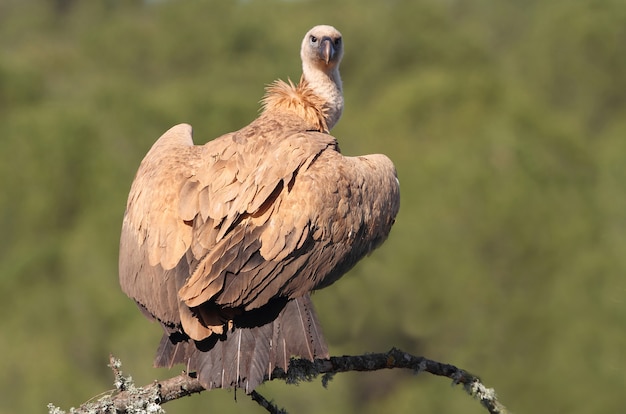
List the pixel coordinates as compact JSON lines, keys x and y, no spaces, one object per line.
{"x":268,"y":405}
{"x":148,"y":399}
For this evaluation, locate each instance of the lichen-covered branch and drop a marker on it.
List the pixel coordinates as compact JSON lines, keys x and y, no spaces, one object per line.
{"x":148,"y":399}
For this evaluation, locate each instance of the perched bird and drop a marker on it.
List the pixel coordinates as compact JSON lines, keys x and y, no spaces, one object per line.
{"x":223,"y":243}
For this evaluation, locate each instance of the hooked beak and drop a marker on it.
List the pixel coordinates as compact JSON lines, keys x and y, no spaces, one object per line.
{"x":327,"y":49}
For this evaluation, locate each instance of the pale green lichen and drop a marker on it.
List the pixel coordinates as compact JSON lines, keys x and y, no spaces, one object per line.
{"x":139,"y":401}
{"x":487,"y":397}
{"x":481,"y":392}
{"x":52,"y":409}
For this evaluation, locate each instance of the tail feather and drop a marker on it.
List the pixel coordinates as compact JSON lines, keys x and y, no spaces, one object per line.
{"x":173,"y":349}
{"x":247,"y":355}
{"x":298,"y":330}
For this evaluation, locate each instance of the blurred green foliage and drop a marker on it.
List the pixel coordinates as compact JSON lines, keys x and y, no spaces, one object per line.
{"x":507,"y":123}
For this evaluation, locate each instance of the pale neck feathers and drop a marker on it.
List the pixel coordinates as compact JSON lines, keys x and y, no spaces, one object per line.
{"x":300,"y":100}
{"x":327,"y":84}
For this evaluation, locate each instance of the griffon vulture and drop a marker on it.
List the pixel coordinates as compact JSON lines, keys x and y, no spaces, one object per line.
{"x":223,"y":243}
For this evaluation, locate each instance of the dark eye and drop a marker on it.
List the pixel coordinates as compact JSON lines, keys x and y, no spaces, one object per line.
{"x":313,"y":39}
{"x":337,"y":41}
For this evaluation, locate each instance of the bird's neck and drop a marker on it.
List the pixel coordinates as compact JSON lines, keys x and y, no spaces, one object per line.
{"x":327,"y":85}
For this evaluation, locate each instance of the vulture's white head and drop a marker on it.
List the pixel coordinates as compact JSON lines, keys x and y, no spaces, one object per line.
{"x":322,"y":48}
{"x":321,"y":53}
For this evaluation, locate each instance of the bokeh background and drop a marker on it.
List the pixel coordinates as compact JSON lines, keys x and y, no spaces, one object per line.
{"x":507,"y":123}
